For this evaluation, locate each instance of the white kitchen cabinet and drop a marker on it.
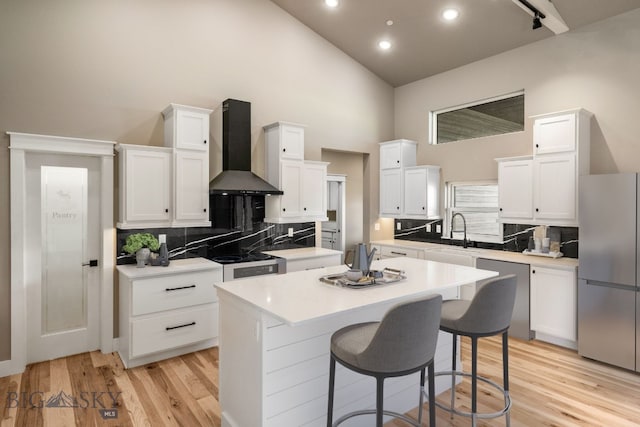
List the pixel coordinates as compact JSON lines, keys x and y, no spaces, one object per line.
{"x":555,"y":187}
{"x":394,"y":157}
{"x":515,"y":188}
{"x":390,"y":193}
{"x":168,"y":311}
{"x":543,"y":189}
{"x":191,"y":191}
{"x":186,"y":127}
{"x":145,"y":186}
{"x":285,"y":140}
{"x":422,"y":192}
{"x":554,"y":134}
{"x":303,"y":182}
{"x":554,"y":305}
{"x":313,"y":263}
{"x":398,"y":153}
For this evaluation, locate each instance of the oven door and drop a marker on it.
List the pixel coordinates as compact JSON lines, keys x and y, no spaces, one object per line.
{"x":243,"y":270}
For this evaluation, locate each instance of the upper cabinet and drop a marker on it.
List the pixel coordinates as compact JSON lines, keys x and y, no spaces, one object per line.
{"x":303,"y":182}
{"x":145,"y":186}
{"x":186,"y":127}
{"x":168,"y":187}
{"x":394,"y":157}
{"x":421,"y":192}
{"x":543,"y":189}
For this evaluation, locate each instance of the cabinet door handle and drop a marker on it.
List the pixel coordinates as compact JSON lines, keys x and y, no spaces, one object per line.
{"x":205,"y":141}
{"x":423,"y":208}
{"x":537,"y":210}
{"x":170,"y":328}
{"x":533,"y":272}
{"x":399,"y":253}
{"x":398,"y":161}
{"x":179,"y":288}
{"x":166,"y":210}
{"x":205,"y":209}
{"x":500,"y":209}
{"x":284,"y":150}
{"x":304,"y":209}
{"x":537,"y":146}
{"x":284,"y":209}
{"x":398,"y":207}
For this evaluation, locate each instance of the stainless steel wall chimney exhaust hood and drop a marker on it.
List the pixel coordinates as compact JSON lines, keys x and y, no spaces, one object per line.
{"x":236,"y":176}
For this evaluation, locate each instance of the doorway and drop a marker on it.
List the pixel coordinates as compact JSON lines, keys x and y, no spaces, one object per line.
{"x":62,"y":284}
{"x":333,"y":230}
{"x":63,"y":248}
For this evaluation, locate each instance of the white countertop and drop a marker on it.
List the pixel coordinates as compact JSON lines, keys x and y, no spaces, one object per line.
{"x":302,"y":253}
{"x":299,"y":297}
{"x":174,"y":267}
{"x":561,"y":263}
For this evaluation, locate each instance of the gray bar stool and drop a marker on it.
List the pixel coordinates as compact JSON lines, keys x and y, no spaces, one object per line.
{"x":487,"y":314}
{"x":402,"y":343}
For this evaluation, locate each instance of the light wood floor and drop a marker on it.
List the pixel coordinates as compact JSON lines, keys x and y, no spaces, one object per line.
{"x":550,"y":386}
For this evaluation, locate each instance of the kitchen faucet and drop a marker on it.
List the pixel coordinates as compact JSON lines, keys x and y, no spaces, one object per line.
{"x":464,"y":224}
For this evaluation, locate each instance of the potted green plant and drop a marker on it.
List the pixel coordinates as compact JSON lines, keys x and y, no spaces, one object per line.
{"x":141,"y":244}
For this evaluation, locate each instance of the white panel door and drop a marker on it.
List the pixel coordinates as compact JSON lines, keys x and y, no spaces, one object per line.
{"x":415,"y":192}
{"x":515,"y":188}
{"x":314,"y":187}
{"x":291,"y":173}
{"x":554,"y":302}
{"x":554,"y":134}
{"x":555,"y":187}
{"x":148,"y":185}
{"x":192,"y":186}
{"x":192,"y":130}
{"x":390,"y":192}
{"x":292,"y":142}
{"x":62,"y":288}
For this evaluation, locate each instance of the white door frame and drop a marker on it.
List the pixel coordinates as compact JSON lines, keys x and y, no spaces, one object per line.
{"x":343,"y":205}
{"x":21,"y":144}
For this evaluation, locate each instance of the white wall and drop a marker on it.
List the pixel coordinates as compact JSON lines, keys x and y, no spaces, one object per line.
{"x":595,"y":67}
{"x":106,"y":69}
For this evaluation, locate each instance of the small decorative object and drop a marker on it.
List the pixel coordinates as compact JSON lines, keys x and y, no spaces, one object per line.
{"x":141,"y":244}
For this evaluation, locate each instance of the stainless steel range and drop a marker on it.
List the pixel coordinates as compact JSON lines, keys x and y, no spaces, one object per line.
{"x":242,"y":266}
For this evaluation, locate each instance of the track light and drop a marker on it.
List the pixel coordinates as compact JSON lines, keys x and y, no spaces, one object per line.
{"x":536,"y":21}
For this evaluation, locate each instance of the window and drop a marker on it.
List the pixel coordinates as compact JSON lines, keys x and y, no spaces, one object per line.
{"x":495,"y":116}
{"x":478,"y":203}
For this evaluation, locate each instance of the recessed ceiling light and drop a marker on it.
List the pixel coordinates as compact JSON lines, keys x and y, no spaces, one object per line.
{"x":389,"y":22}
{"x":331,"y":3}
{"x":384,"y":44}
{"x":450,"y":14}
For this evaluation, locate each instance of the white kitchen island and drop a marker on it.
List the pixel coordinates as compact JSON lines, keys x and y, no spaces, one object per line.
{"x":274,"y":343}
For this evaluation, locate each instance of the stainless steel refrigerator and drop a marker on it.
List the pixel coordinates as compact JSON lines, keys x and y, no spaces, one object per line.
{"x":608,"y":298}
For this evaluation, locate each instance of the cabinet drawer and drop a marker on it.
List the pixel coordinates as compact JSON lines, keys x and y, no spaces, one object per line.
{"x":392,"y":252}
{"x":170,"y":292}
{"x":313,"y":263}
{"x":175,"y":329}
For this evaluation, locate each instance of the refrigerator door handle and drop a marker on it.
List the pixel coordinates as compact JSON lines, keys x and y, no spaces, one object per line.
{"x":610,"y":285}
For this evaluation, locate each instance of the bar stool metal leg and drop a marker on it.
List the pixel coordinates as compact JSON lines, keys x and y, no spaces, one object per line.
{"x":422,"y":396}
{"x":432,"y":396}
{"x":453,"y":371}
{"x":332,"y":380}
{"x":474,"y":381}
{"x":505,"y":374}
{"x":379,"y":400}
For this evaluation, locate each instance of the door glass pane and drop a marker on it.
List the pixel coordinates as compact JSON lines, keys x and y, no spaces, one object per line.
{"x":64,"y":237}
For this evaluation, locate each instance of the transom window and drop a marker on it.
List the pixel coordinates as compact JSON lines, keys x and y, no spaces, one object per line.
{"x":478,"y":203}
{"x":494,"y":116}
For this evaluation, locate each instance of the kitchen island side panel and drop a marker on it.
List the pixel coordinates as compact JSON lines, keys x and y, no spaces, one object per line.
{"x":273,"y":374}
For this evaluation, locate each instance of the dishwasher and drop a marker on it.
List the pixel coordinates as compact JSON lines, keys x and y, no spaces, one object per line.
{"x":520,"y":326}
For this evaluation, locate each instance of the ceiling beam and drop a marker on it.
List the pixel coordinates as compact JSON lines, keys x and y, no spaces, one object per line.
{"x":552,"y":19}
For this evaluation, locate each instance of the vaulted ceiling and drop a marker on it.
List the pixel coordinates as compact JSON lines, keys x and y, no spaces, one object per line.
{"x":423,"y":43}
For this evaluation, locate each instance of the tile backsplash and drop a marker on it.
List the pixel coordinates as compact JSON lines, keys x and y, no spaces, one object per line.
{"x":515,"y":236}
{"x":210,"y":242}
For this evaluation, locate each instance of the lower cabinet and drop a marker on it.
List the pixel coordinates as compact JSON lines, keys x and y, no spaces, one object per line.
{"x":165,"y":312}
{"x":554,"y":305}
{"x":313,"y":263}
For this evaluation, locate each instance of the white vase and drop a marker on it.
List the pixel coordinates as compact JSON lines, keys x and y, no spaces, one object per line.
{"x":142,"y":257}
